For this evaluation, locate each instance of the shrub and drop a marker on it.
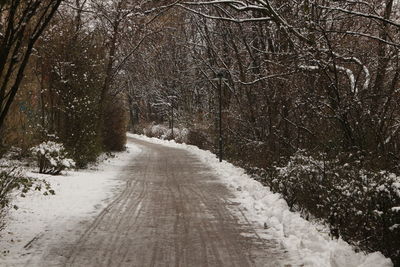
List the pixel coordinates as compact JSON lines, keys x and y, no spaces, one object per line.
{"x":84,"y":149}
{"x":191,"y":137}
{"x":157,"y":131}
{"x":182,"y":136}
{"x":168,"y":134}
{"x":115,"y":126}
{"x":8,"y":180}
{"x":197,"y":138}
{"x":360,"y":205}
{"x":12,"y":179}
{"x":52,"y":158}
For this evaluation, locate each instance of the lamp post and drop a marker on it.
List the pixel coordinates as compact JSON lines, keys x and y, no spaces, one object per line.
{"x":220,"y":79}
{"x":172,"y":119}
{"x":220,"y":76}
{"x":171,"y":104}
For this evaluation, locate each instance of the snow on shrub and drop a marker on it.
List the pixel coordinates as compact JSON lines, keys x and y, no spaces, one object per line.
{"x":169,"y":136}
{"x":165,"y":133}
{"x":360,"y":205}
{"x":155,"y":130}
{"x":182,"y":137}
{"x":158,"y":130}
{"x":186,"y":136}
{"x":52,"y":158}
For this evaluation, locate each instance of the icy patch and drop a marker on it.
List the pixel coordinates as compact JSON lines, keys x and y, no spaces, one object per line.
{"x":269,"y":210}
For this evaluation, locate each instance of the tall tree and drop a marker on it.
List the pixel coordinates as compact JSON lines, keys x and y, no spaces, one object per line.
{"x":24,"y":22}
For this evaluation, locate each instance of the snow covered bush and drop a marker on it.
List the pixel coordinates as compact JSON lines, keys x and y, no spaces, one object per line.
{"x":195,"y":137}
{"x":191,"y":137}
{"x":155,"y":130}
{"x":162,"y":132}
{"x":168,"y":135}
{"x":182,"y":136}
{"x":159,"y":131}
{"x":52,"y":158}
{"x":360,"y":205}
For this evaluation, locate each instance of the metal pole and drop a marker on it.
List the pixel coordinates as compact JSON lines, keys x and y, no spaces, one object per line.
{"x":172,"y":119}
{"x":220,"y":118}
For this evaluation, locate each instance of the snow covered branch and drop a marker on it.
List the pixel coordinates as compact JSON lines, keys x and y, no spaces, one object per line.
{"x":359,"y":14}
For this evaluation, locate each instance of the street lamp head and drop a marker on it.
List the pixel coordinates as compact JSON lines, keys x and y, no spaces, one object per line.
{"x":220,"y":74}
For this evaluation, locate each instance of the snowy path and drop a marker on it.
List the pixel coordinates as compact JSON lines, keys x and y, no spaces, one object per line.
{"x":173,"y":212}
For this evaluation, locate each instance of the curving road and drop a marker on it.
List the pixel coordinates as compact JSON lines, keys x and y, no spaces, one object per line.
{"x":173,"y":212}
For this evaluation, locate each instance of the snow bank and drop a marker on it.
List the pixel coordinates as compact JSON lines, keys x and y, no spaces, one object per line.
{"x":300,"y":237}
{"x":42,"y":220}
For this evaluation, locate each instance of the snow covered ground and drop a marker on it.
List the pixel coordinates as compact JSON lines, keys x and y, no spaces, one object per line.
{"x":310,"y":245}
{"x":44,"y":220}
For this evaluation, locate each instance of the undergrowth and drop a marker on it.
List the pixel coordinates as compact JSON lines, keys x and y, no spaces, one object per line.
{"x":359,"y":204}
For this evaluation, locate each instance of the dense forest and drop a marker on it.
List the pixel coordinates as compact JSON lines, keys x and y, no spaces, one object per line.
{"x":310,"y":93}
